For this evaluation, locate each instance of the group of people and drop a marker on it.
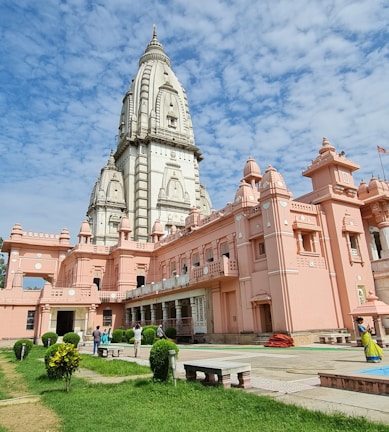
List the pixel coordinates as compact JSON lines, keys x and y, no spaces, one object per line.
{"x":101,"y":338}
{"x":106,"y":337}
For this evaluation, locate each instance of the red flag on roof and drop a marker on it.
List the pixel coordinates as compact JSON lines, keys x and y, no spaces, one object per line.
{"x":382,"y":150}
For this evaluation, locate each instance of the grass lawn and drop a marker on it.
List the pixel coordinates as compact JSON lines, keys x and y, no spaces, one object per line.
{"x":141,"y":405}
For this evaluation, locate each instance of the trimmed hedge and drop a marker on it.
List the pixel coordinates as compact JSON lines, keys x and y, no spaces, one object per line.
{"x":171,"y":332}
{"x":129,"y":335}
{"x":72,"y":338}
{"x":49,"y":335}
{"x":159,"y":359}
{"x":118,"y":335}
{"x":148,"y":336}
{"x":18,"y":348}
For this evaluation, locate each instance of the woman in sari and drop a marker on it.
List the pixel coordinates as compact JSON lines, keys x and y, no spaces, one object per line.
{"x":373,"y":352}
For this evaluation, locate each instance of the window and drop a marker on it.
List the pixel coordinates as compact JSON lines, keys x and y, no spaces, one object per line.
{"x":200,"y":310}
{"x":140,"y":281}
{"x":172,"y":121}
{"x":224,"y":250}
{"x":107,"y":318}
{"x":96,"y":281}
{"x":184,"y":267}
{"x":173,"y":270}
{"x":196,"y":260}
{"x":354,"y":247}
{"x":209,"y":255}
{"x":30,"y":320}
{"x":306,"y":242}
{"x":259,"y":248}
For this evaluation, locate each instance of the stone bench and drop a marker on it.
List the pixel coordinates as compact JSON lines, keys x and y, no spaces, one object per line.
{"x":221,"y":369}
{"x":104,"y":351}
{"x":331,"y":338}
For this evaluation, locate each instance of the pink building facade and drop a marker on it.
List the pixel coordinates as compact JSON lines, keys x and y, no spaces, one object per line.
{"x":264,"y":263}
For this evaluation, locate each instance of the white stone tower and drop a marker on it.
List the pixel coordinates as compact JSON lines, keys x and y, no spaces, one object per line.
{"x":156,"y":153}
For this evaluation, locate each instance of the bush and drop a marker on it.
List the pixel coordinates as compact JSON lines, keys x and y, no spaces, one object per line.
{"x":129,"y":335}
{"x":72,"y":338}
{"x":117,"y":336}
{"x":49,"y":335}
{"x":50,"y":352}
{"x":18,"y":348}
{"x":159,"y":359}
{"x":65,"y":361}
{"x":171,"y":332}
{"x":148,"y":336}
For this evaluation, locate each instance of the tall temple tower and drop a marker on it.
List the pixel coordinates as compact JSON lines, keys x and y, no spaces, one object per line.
{"x":156,"y":160}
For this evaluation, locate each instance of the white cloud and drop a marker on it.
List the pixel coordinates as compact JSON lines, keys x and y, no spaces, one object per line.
{"x":267,"y":79}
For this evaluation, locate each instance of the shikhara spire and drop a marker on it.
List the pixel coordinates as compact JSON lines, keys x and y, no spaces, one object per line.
{"x":156,"y":155}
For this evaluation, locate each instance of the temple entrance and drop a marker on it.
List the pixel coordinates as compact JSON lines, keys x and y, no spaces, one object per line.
{"x":65,"y":322}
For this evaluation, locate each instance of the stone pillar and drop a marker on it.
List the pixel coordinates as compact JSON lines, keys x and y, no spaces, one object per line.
{"x":178,"y":307}
{"x":384,"y":238}
{"x":373,"y":245}
{"x":143,"y":314}
{"x":164,"y":312}
{"x":45,"y":323}
{"x":153,"y":312}
{"x":357,"y":334}
{"x":379,"y":331}
{"x":133,"y":316}
{"x":92,"y":318}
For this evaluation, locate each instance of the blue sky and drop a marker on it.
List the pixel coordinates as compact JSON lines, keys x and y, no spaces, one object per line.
{"x":266,"y":79}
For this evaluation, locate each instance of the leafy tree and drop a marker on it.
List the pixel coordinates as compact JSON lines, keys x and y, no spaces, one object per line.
{"x":3,"y":266}
{"x":65,"y":361}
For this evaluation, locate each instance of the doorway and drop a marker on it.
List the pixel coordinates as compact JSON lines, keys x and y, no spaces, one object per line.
{"x":265,"y":318}
{"x":65,"y":322}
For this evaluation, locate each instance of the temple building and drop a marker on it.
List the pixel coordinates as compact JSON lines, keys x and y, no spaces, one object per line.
{"x":153,"y":250}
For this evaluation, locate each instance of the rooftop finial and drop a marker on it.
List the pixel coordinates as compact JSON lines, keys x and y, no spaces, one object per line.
{"x":154,"y":31}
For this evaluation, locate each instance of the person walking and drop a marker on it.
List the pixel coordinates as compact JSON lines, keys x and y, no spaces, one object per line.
{"x":137,"y":339}
{"x":96,"y":339}
{"x":109,"y":334}
{"x":104,"y":337}
{"x":160,"y":332}
{"x":373,"y":352}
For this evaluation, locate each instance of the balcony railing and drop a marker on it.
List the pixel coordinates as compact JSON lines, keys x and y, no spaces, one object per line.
{"x":222,"y":268}
{"x":164,"y":285}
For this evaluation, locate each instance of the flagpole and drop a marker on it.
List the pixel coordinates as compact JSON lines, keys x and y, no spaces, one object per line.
{"x":382,"y":166}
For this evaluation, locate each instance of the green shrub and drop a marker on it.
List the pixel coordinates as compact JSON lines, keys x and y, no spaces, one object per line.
{"x":51,"y":372}
{"x":72,"y":338}
{"x":148,"y":336}
{"x":49,"y":335}
{"x":171,"y":332}
{"x":18,"y":348}
{"x":159,"y":359}
{"x":117,"y":336}
{"x":129,"y":335}
{"x":65,"y":361}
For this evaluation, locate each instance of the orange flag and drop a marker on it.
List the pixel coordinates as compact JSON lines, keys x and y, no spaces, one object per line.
{"x":382,"y":150}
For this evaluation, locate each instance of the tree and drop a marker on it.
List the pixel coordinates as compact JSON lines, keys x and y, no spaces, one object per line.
{"x":3,"y":266}
{"x":65,"y":361}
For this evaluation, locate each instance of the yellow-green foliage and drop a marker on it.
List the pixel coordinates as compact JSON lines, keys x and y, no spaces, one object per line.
{"x":65,"y":361}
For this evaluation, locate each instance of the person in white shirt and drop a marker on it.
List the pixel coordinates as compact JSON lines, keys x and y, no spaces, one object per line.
{"x":137,"y":339}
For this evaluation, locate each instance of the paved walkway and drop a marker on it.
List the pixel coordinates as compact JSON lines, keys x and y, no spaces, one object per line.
{"x":290,"y":374}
